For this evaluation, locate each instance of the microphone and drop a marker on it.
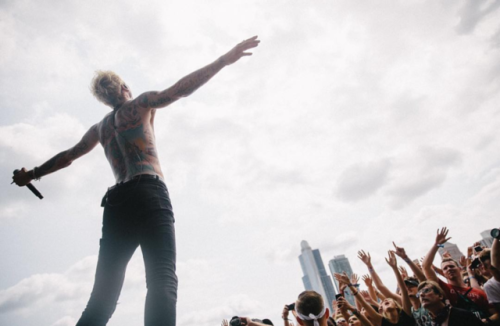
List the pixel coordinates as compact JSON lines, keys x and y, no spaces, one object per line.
{"x":31,"y":187}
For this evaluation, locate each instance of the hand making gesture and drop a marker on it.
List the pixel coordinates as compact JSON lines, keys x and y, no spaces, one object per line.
{"x":239,"y":50}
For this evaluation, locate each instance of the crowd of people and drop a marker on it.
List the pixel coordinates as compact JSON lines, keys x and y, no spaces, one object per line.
{"x":456,"y":293}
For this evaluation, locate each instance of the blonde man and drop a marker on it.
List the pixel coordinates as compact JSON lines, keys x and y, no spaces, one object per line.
{"x":137,"y":210}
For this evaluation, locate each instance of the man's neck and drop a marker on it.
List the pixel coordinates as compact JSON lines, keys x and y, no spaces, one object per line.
{"x":458,"y":282}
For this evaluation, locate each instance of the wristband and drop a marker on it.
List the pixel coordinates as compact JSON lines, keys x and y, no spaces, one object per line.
{"x":408,"y":260}
{"x":371,"y":270}
{"x":440,"y":245}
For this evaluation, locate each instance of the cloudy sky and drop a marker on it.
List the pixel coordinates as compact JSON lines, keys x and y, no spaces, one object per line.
{"x":355,"y":123}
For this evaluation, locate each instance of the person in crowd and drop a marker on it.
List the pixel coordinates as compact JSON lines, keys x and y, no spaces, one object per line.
{"x":420,"y":314}
{"x":432,"y":297}
{"x":390,"y":311}
{"x":455,"y":290}
{"x":488,"y":270}
{"x":310,"y":309}
{"x":355,"y":318}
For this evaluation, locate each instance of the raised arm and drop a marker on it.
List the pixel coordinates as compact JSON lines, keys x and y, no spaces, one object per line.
{"x":405,"y":299}
{"x":187,"y":85}
{"x":441,"y":238}
{"x":61,"y":160}
{"x":374,"y":316}
{"x":400,"y":251}
{"x":365,"y":258}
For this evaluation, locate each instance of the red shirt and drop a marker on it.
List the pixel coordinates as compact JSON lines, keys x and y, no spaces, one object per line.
{"x":477,"y":296}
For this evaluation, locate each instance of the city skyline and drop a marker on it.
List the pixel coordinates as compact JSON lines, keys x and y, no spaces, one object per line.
{"x":315,"y":275}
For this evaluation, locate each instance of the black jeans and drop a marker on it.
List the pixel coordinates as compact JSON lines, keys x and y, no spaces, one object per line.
{"x":136,"y":213}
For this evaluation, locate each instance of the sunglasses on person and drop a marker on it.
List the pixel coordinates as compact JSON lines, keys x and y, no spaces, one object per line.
{"x":424,"y":291}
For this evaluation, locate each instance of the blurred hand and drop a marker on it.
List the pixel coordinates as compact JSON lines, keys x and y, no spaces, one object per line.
{"x":365,"y":258}
{"x":446,"y":254}
{"x":354,"y":278}
{"x":400,"y":251}
{"x":368,"y":280}
{"x":392,"y":259}
{"x":367,"y":297}
{"x":403,"y":272}
{"x":224,"y":322}
{"x":285,"y":312}
{"x":21,"y":178}
{"x":342,"y":278}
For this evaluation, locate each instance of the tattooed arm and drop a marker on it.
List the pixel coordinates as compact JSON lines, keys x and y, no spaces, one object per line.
{"x":187,"y":85}
{"x":61,"y":160}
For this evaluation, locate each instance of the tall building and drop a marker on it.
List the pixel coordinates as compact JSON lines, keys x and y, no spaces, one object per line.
{"x":486,"y":240}
{"x":341,"y":264}
{"x":315,"y":276}
{"x":452,"y":249}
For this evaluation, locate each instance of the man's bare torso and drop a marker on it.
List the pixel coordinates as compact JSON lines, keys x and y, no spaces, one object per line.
{"x":127,"y":135}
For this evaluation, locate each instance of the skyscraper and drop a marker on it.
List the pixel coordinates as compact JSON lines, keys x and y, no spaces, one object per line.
{"x":486,"y":240}
{"x":452,"y":249}
{"x":341,"y":264}
{"x":315,"y":276}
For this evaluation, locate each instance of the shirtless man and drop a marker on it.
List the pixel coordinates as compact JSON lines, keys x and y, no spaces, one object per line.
{"x":137,"y":210}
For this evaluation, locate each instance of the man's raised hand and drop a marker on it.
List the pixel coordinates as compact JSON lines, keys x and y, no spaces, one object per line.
{"x":239,"y":50}
{"x":441,"y":236}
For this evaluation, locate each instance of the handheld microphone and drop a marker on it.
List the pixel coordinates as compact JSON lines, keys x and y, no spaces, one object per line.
{"x":31,"y":187}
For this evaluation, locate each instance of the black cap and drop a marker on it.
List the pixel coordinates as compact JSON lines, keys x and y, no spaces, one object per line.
{"x":267,"y":322}
{"x":411,"y":281}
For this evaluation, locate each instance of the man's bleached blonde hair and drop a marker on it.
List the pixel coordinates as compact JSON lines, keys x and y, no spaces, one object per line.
{"x":106,"y":87}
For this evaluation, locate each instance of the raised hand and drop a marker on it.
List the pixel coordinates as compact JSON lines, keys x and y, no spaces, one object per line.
{"x":239,"y":50}
{"x":224,"y":322}
{"x":342,"y":287}
{"x":392,"y":260}
{"x":400,"y":251}
{"x":342,"y":278}
{"x":367,"y":297}
{"x":354,"y":278}
{"x":368,"y":280}
{"x":446,"y":254}
{"x":365,"y":258}
{"x":285,"y":312}
{"x":404,"y":273}
{"x":441,"y":236}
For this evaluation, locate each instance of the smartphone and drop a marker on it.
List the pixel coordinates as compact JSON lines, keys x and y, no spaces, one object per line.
{"x":338,"y":295}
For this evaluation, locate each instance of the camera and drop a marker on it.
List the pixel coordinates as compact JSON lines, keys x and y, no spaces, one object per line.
{"x":495,"y":233}
{"x":291,"y":306}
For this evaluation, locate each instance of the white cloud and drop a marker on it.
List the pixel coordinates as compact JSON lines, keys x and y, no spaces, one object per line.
{"x":363,"y":180}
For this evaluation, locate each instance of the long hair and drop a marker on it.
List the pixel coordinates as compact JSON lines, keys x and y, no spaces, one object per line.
{"x":398,"y":308}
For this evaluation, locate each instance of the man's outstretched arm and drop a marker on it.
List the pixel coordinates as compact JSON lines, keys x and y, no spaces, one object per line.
{"x":195,"y":80}
{"x":61,"y":160}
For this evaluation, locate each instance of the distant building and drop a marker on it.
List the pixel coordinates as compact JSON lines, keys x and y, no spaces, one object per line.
{"x":452,"y":249}
{"x":315,"y":276}
{"x":487,"y":240}
{"x":341,"y":264}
